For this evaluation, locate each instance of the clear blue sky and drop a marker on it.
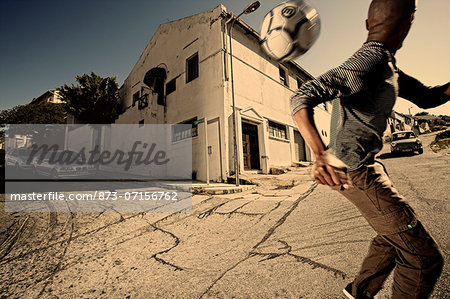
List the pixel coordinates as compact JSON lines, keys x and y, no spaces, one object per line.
{"x":45,"y":44}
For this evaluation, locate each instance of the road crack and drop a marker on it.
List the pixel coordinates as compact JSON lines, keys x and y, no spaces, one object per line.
{"x":58,"y":268}
{"x":85,"y":234}
{"x":315,"y":265}
{"x":160,"y":260}
{"x":286,"y":246}
{"x":11,"y":240}
{"x":414,"y":189}
{"x":286,"y":215}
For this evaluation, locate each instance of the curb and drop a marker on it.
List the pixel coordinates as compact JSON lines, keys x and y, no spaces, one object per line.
{"x":197,"y":190}
{"x":221,"y":191}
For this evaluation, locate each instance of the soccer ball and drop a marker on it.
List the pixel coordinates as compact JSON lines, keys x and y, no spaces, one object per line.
{"x":289,"y":30}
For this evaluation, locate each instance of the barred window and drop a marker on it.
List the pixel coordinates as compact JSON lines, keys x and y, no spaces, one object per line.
{"x":283,"y":76}
{"x":277,"y":130}
{"x":184,"y":132}
{"x":299,"y":82}
{"x":136,"y":97}
{"x":192,"y":68}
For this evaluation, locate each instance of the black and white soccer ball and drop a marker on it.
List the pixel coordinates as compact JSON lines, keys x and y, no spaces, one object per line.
{"x":289,"y":30}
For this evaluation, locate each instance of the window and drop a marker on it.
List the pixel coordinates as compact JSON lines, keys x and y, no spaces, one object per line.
{"x":143,"y":101}
{"x":192,"y":68}
{"x":171,"y":86}
{"x":277,"y":130}
{"x":407,"y":120}
{"x":184,"y":132}
{"x":135,"y":98}
{"x":299,"y":82}
{"x":154,"y":79}
{"x":283,"y":76}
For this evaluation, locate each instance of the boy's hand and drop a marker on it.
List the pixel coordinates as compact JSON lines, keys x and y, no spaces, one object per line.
{"x":329,"y":170}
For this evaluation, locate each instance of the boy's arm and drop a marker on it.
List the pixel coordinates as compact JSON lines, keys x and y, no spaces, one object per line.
{"x":423,"y":96}
{"x":322,"y":171}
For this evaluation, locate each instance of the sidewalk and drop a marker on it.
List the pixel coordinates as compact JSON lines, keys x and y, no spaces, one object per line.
{"x":249,"y":180}
{"x":196,"y":187}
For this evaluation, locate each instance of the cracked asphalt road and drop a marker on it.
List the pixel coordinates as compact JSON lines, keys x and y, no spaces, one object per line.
{"x":303,"y":242}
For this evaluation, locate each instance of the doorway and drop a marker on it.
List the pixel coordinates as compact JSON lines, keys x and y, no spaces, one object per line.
{"x":250,"y":146}
{"x":300,"y":148}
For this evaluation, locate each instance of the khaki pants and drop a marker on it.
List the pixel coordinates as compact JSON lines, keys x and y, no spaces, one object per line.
{"x":402,"y":243}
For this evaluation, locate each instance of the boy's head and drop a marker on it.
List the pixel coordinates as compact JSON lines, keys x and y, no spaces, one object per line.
{"x":389,"y":21}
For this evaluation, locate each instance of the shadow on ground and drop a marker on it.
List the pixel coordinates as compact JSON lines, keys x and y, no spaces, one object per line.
{"x":391,"y":155}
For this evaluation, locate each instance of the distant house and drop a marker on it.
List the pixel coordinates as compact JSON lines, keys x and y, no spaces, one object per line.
{"x":18,"y":141}
{"x":426,"y":121}
{"x":400,"y":122}
{"x":404,"y":122}
{"x":50,"y":96}
{"x":184,"y":76}
{"x":53,"y":96}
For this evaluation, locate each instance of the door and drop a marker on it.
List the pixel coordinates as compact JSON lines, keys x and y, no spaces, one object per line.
{"x":250,"y":146}
{"x":300,"y":151}
{"x":214,"y":150}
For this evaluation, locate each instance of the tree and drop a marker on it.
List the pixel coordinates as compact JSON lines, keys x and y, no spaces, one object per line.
{"x":94,"y":100}
{"x":49,"y":113}
{"x":29,"y":115}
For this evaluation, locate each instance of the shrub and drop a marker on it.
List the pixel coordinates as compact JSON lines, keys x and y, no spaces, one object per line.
{"x":443,"y":135}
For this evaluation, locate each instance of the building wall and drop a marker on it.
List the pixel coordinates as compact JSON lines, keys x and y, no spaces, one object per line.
{"x":170,"y":47}
{"x":280,"y":152}
{"x":260,"y":97}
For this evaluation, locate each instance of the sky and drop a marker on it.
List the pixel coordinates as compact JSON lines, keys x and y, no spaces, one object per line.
{"x":45,"y":44}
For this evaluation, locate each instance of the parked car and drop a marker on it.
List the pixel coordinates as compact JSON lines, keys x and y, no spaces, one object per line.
{"x":55,"y":166}
{"x":17,"y":158}
{"x":405,"y":141}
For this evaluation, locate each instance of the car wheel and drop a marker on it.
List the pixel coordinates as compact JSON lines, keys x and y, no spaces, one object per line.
{"x":421,"y":151}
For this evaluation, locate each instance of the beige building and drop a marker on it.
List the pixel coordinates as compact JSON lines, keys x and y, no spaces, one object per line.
{"x":184,"y":76}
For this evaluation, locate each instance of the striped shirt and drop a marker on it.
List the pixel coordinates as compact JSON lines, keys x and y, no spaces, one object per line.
{"x":365,"y":88}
